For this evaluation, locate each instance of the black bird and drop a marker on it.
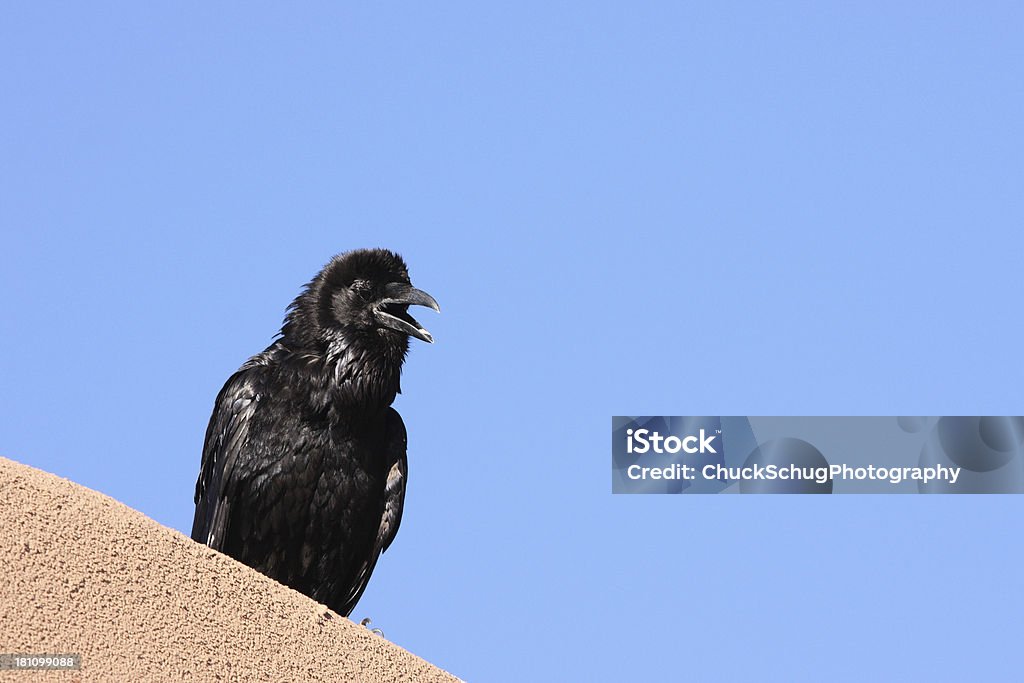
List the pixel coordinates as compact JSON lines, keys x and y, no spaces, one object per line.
{"x":304,"y":466}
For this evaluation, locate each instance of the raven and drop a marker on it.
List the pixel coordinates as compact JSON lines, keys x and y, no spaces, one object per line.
{"x":304,"y":466}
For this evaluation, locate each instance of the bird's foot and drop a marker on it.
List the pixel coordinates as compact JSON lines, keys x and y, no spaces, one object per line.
{"x":366,"y":622}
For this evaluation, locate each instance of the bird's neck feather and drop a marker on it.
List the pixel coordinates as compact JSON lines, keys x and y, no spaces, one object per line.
{"x":364,"y":372}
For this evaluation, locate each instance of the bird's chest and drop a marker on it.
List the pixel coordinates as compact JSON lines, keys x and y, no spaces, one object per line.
{"x":351,"y":471}
{"x":319,"y":473}
{"x":319,"y":478}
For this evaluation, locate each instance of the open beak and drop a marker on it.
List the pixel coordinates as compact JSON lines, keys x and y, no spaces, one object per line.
{"x":392,"y":310}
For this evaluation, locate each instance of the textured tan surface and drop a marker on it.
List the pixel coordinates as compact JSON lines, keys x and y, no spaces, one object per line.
{"x":82,"y":573}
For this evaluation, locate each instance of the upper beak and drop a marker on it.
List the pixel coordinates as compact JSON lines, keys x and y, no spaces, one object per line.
{"x":391,"y":311}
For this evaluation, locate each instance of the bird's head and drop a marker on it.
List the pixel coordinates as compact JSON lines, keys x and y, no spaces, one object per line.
{"x":364,"y":294}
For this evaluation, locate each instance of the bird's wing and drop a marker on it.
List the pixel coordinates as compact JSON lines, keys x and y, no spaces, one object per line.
{"x":226,"y":438}
{"x":394,"y":501}
{"x":394,"y":489}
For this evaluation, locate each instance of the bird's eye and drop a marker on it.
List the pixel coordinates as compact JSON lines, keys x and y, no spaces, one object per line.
{"x":361,"y":288}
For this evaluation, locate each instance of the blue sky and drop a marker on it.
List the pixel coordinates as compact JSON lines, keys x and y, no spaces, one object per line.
{"x":642,"y":208}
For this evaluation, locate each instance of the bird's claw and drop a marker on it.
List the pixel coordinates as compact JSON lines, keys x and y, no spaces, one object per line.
{"x":366,"y":622}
